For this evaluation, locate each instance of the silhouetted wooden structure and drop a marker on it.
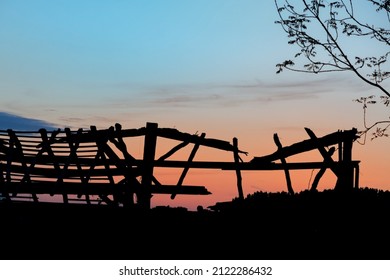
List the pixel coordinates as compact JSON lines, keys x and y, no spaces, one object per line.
{"x":85,"y":163}
{"x":95,"y":166}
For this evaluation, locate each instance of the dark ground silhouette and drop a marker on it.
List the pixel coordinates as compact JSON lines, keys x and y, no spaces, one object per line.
{"x":320,"y":225}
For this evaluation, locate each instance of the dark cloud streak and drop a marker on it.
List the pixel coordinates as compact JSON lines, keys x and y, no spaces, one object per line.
{"x":15,"y":122}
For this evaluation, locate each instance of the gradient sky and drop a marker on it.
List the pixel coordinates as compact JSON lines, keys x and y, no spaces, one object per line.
{"x":204,"y":65}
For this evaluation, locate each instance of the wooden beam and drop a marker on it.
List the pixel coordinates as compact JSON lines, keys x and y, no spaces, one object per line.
{"x":284,"y":164}
{"x":104,"y":189}
{"x":174,"y":134}
{"x":310,"y":144}
{"x":172,"y":151}
{"x":98,"y":171}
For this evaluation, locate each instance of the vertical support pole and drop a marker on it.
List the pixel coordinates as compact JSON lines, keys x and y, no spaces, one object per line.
{"x":238,"y":170}
{"x":340,"y":145}
{"x":347,"y":168}
{"x":148,"y":164}
{"x":357,"y":170}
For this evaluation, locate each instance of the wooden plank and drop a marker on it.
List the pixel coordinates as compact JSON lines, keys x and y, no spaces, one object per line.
{"x":47,"y":170}
{"x":50,"y":173}
{"x":284,"y":164}
{"x":47,"y":160}
{"x":310,"y":144}
{"x":96,"y":172}
{"x":101,"y":188}
{"x":172,"y":151}
{"x":90,"y":136}
{"x":174,"y":134}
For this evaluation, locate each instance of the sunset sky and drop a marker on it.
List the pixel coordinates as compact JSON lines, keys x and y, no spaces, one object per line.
{"x":197,"y":66}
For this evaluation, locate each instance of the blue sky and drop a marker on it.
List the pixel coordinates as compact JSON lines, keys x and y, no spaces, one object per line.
{"x":204,"y":65}
{"x":80,"y":62}
{"x":87,"y":57}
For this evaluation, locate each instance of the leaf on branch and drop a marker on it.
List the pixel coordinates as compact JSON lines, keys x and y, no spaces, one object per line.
{"x":285,"y":64}
{"x":359,"y":60}
{"x":380,"y":132}
{"x":351,"y":29}
{"x":385,"y":100}
{"x":336,"y":4}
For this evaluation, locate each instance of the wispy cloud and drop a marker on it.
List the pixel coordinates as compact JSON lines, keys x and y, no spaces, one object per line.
{"x":229,"y":95}
{"x":236,"y":94}
{"x":15,"y":122}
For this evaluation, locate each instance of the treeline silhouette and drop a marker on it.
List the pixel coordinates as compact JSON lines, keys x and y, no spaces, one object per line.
{"x":363,"y":198}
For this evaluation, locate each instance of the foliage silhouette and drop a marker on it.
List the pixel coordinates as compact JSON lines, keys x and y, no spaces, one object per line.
{"x":320,"y":30}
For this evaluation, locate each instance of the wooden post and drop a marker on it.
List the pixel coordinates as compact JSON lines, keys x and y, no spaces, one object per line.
{"x":340,"y":145}
{"x":284,"y":163}
{"x":357,"y":170}
{"x":347,"y":168}
{"x":238,"y":171}
{"x":148,"y":165}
